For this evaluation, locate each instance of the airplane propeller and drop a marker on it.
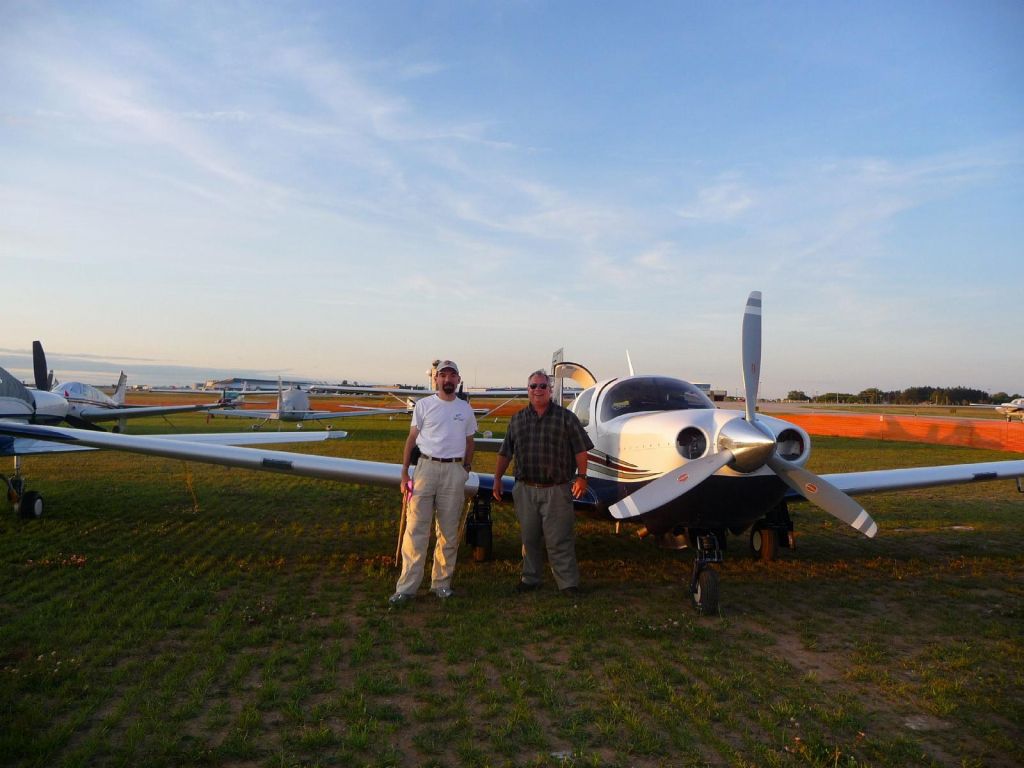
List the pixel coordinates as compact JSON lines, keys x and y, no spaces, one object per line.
{"x":43,"y":377}
{"x":746,"y":446}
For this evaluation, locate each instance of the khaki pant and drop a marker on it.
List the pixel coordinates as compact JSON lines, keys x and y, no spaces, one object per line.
{"x":439,"y":487}
{"x":547,"y":520}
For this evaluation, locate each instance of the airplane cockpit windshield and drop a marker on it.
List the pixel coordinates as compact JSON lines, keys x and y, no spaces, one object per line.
{"x":651,"y":393}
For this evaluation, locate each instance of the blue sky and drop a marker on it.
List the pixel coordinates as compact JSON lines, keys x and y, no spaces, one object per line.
{"x":349,"y":190}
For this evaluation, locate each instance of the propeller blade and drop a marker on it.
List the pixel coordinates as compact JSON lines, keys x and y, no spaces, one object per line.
{"x":751,"y":352}
{"x":39,"y":366}
{"x":823,"y":494}
{"x":670,"y":486}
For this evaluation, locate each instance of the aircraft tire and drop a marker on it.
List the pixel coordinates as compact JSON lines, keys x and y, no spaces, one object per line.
{"x":764,"y":542}
{"x":483,"y":544}
{"x":31,"y":505}
{"x":705,"y":599}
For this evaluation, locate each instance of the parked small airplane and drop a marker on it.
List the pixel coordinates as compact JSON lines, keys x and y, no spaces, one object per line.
{"x":21,"y":405}
{"x":412,"y":394}
{"x":663,"y":456}
{"x":293,"y":406}
{"x":1013,"y":408}
{"x":87,"y":405}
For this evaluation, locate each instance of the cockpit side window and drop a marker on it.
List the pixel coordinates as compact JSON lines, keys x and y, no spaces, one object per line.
{"x":651,"y":393}
{"x":581,"y":406}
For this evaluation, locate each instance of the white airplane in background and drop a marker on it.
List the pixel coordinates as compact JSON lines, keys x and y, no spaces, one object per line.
{"x":1009,"y":409}
{"x":1013,"y":408}
{"x":412,"y":394}
{"x":21,"y":405}
{"x":664,"y":456}
{"x":87,"y":405}
{"x":293,"y":406}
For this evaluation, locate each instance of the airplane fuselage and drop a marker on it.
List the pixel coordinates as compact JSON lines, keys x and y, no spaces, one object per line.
{"x":33,"y":406}
{"x":644,"y":427}
{"x":81,"y":396}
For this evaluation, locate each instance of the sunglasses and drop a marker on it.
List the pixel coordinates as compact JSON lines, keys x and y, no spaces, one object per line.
{"x":538,"y":386}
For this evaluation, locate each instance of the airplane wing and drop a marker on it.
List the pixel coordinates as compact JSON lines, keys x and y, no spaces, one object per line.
{"x":246,"y":413}
{"x":881,"y":480}
{"x":366,"y":390}
{"x":299,"y":464}
{"x":484,"y":392}
{"x":131,"y":412}
{"x":22,"y":446}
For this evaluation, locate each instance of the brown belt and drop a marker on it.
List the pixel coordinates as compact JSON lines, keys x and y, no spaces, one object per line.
{"x":443,"y":461}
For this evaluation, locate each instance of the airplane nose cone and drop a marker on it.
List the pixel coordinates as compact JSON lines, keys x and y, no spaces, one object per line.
{"x":751,"y":447}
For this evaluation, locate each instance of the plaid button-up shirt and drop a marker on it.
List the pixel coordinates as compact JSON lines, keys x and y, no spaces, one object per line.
{"x":545,"y":447}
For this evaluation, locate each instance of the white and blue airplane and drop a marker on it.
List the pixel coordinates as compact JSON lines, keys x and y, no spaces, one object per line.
{"x":664,"y":457}
{"x":20,"y":405}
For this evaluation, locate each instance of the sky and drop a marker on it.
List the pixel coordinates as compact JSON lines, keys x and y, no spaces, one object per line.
{"x":350,"y":190}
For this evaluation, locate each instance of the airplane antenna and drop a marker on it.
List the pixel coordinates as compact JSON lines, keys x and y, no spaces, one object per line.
{"x":629,"y":363}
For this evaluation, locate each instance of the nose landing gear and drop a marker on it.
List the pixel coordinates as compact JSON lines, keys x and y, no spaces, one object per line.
{"x":704,"y":583}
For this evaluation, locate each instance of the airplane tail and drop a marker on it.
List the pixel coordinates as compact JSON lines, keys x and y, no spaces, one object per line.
{"x":122,"y":387}
{"x":556,"y":358}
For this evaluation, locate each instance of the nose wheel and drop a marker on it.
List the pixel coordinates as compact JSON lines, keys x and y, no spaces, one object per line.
{"x":704,"y":583}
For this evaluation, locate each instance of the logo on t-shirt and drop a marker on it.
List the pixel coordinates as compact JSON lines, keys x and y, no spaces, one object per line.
{"x":459,"y":417}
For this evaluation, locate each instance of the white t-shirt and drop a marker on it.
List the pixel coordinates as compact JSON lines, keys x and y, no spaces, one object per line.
{"x":443,"y":426}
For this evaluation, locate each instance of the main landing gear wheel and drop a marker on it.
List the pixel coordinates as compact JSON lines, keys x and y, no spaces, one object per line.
{"x":764,"y":542}
{"x":31,"y":505}
{"x":705,"y":599}
{"x":479,"y":529}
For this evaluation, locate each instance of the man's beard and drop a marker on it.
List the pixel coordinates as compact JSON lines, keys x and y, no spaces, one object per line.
{"x":448,"y":388}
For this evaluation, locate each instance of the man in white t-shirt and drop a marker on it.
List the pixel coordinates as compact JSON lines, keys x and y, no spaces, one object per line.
{"x":443,"y":426}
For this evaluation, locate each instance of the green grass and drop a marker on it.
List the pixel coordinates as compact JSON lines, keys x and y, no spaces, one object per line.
{"x":165,"y":614}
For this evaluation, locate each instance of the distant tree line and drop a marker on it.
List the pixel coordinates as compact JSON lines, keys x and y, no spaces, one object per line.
{"x":908,"y":396}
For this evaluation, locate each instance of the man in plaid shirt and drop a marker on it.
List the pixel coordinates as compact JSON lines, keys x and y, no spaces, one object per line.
{"x":550,"y":448}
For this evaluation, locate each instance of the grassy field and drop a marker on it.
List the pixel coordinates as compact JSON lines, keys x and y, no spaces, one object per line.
{"x":170,"y":614}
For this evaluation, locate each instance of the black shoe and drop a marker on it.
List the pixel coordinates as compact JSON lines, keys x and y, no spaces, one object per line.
{"x":569,"y":592}
{"x":523,"y":586}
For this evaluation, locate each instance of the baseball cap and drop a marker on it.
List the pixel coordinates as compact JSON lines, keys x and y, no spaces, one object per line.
{"x":447,"y":364}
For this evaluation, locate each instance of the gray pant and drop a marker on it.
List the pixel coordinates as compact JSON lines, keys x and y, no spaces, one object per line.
{"x":547,"y":520}
{"x":437,"y":489}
